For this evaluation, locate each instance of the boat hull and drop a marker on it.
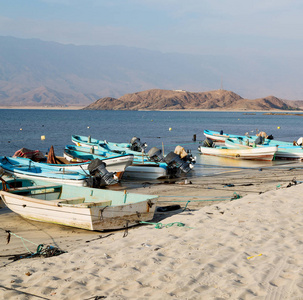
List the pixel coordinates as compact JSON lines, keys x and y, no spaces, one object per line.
{"x":139,"y":169}
{"x":92,"y":210}
{"x":283,"y":152}
{"x":26,"y":168}
{"x":245,"y":153}
{"x":145,"y":171}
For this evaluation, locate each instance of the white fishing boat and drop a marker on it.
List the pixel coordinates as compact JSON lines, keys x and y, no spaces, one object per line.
{"x":285,"y":150}
{"x":251,"y":153}
{"x":81,"y":207}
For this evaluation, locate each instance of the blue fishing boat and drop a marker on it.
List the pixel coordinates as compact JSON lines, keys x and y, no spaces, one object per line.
{"x":80,"y":157}
{"x":75,"y":206}
{"x":177,"y":163}
{"x":141,"y":168}
{"x":135,"y":147}
{"x":26,"y":168}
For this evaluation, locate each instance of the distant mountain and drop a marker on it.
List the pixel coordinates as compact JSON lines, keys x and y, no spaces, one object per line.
{"x":157,"y":99}
{"x":35,"y":72}
{"x":298,"y":104}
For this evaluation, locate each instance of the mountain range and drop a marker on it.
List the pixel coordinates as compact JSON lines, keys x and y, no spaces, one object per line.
{"x":39,"y":73}
{"x":157,"y":99}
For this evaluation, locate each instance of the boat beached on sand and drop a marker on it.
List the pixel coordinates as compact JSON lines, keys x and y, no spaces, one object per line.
{"x":81,"y":207}
{"x":26,"y":168}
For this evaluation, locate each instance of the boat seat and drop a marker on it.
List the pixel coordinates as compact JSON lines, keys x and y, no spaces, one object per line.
{"x":99,"y":203}
{"x":74,"y":200}
{"x":35,"y":187}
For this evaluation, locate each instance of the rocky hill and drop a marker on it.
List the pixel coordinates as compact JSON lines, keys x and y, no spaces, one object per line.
{"x":157,"y":99}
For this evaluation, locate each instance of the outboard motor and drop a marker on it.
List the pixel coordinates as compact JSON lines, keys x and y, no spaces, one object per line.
{"x":207,"y":143}
{"x":300,"y":141}
{"x":174,"y":162}
{"x":100,"y":176}
{"x":137,"y":145}
{"x":259,"y":140}
{"x":155,"y":154}
{"x":270,"y":137}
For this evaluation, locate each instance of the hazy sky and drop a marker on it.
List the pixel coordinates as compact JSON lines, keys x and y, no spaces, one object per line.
{"x":193,"y":26}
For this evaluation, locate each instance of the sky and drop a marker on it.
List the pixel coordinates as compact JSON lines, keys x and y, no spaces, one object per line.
{"x":225,"y":27}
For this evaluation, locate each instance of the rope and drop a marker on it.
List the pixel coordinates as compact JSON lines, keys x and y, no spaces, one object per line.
{"x":47,"y":251}
{"x":23,"y":239}
{"x":160,"y":225}
{"x":186,"y":205}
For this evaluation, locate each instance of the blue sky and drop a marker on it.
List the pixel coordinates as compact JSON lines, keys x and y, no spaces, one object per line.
{"x":270,"y":27}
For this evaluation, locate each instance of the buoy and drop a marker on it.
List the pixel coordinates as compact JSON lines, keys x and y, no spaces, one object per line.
{"x":87,"y":127}
{"x":169,"y":128}
{"x":42,"y":137}
{"x":278,"y":127}
{"x":20,"y":128}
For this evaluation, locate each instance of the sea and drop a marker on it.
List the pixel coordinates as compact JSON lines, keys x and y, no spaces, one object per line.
{"x":40,"y":129}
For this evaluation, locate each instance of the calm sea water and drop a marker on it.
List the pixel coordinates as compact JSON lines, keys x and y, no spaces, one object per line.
{"x":24,"y":128}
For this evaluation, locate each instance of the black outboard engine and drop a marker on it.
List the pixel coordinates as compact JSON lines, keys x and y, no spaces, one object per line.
{"x":100,"y":177}
{"x":174,"y":161}
{"x":270,"y":137}
{"x":175,"y":164}
{"x":207,"y":143}
{"x":137,"y":145}
{"x":155,"y":154}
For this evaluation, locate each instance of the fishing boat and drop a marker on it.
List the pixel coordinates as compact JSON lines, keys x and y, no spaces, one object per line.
{"x":219,"y":136}
{"x":74,"y":153}
{"x":77,"y":160}
{"x":26,"y":168}
{"x":173,"y":164}
{"x":81,"y":207}
{"x":264,"y":154}
{"x":285,"y":150}
{"x":140,"y":168}
{"x":135,"y":147}
{"x":114,"y":162}
{"x":260,"y":138}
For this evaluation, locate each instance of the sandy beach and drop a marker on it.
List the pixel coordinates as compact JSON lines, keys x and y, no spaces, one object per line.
{"x":239,"y":237}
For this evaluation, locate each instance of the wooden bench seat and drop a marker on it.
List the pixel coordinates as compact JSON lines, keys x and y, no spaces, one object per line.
{"x":34,"y":187}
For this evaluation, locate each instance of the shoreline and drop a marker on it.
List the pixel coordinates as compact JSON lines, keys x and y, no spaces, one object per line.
{"x":80,"y":107}
{"x":72,"y":107}
{"x":228,"y":248}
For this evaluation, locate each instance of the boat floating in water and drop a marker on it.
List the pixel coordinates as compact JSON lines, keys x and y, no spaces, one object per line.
{"x":152,"y":165}
{"x":135,"y":147}
{"x":286,"y":150}
{"x":251,"y":153}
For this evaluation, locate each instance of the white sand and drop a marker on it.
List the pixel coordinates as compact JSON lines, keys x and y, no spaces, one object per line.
{"x":248,"y":248}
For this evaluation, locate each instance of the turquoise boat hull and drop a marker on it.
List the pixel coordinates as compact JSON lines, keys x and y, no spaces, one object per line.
{"x":26,"y":168}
